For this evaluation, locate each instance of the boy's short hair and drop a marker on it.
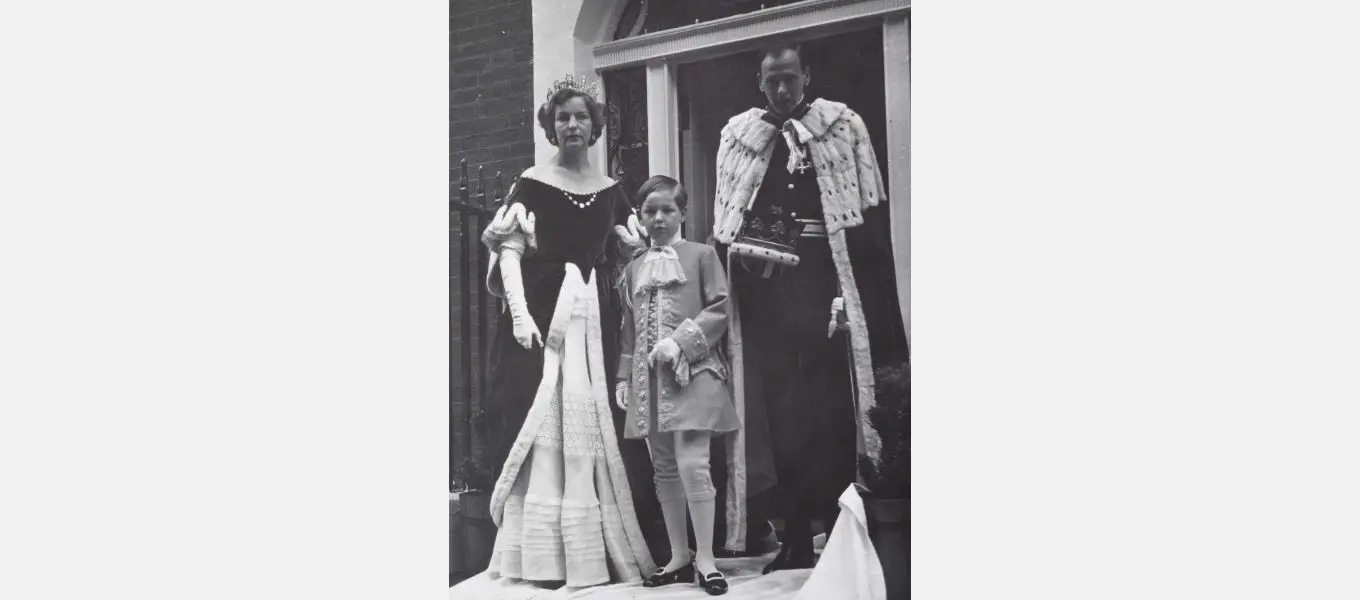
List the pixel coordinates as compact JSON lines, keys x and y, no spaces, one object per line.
{"x":662,"y":183}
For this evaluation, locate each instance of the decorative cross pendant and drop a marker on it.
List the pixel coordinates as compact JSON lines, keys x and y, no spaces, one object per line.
{"x":803,"y":167}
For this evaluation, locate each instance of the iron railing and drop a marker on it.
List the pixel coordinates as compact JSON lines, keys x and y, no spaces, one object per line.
{"x":472,"y":203}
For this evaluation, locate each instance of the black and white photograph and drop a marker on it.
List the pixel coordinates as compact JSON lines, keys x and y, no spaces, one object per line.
{"x":679,"y":299}
{"x":679,"y":244}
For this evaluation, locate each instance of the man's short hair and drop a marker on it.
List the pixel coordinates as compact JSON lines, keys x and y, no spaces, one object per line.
{"x":778,"y":48}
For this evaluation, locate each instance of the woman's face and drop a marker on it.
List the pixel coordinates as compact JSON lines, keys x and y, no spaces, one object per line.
{"x":572,"y":124}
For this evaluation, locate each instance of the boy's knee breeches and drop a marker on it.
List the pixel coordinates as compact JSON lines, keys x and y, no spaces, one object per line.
{"x":682,"y":458}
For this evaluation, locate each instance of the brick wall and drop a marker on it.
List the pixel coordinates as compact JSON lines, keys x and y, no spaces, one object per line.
{"x":491,"y":72}
{"x":491,"y":125}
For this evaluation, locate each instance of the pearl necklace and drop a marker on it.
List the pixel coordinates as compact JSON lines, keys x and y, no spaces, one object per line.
{"x":582,"y":204}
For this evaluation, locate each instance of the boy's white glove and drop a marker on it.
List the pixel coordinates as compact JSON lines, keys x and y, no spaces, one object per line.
{"x":665,"y":351}
{"x":621,"y":394}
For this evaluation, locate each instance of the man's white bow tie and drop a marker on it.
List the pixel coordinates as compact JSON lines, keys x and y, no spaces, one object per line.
{"x":796,"y":135}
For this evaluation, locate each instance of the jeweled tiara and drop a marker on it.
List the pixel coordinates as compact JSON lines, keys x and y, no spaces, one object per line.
{"x":570,"y":82}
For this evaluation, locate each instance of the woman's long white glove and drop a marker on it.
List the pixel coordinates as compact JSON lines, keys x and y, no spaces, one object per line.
{"x":526,"y":332}
{"x":634,"y":234}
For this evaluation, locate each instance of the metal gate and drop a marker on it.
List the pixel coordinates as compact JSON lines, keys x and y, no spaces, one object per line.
{"x":472,"y":313}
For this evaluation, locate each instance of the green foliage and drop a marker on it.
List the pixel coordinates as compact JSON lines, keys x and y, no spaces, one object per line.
{"x":472,"y":476}
{"x":890,"y":475}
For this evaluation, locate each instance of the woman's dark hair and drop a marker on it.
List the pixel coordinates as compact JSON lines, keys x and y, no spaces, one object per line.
{"x":547,"y":113}
{"x":662,"y":183}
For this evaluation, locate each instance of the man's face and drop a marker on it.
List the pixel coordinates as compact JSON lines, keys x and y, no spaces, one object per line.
{"x":782,"y":79}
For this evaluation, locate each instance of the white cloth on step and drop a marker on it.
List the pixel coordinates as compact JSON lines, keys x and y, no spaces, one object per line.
{"x":849,"y":567}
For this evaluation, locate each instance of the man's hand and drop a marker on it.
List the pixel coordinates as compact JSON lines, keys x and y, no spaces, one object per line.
{"x":839,"y":321}
{"x":621,"y":395}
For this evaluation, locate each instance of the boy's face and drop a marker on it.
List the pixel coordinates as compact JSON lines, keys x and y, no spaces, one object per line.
{"x":661,"y":216}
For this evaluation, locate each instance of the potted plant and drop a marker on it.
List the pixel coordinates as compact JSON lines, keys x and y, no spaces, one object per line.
{"x":472,"y":533}
{"x":887,"y":478}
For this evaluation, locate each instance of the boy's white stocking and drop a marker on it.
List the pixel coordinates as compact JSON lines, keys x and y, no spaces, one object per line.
{"x":702,"y":511}
{"x":671,"y":495}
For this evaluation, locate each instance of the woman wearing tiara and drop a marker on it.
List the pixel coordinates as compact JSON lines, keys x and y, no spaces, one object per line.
{"x":562,"y":502}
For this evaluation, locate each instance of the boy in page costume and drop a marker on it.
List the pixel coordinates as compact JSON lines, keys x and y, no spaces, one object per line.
{"x":673,"y":379}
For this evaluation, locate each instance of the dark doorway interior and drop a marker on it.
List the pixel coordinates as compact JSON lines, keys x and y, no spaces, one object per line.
{"x":845,"y":68}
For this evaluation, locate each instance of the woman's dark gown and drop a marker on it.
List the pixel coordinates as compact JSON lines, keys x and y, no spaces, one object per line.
{"x":565,"y":234}
{"x":584,"y":236}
